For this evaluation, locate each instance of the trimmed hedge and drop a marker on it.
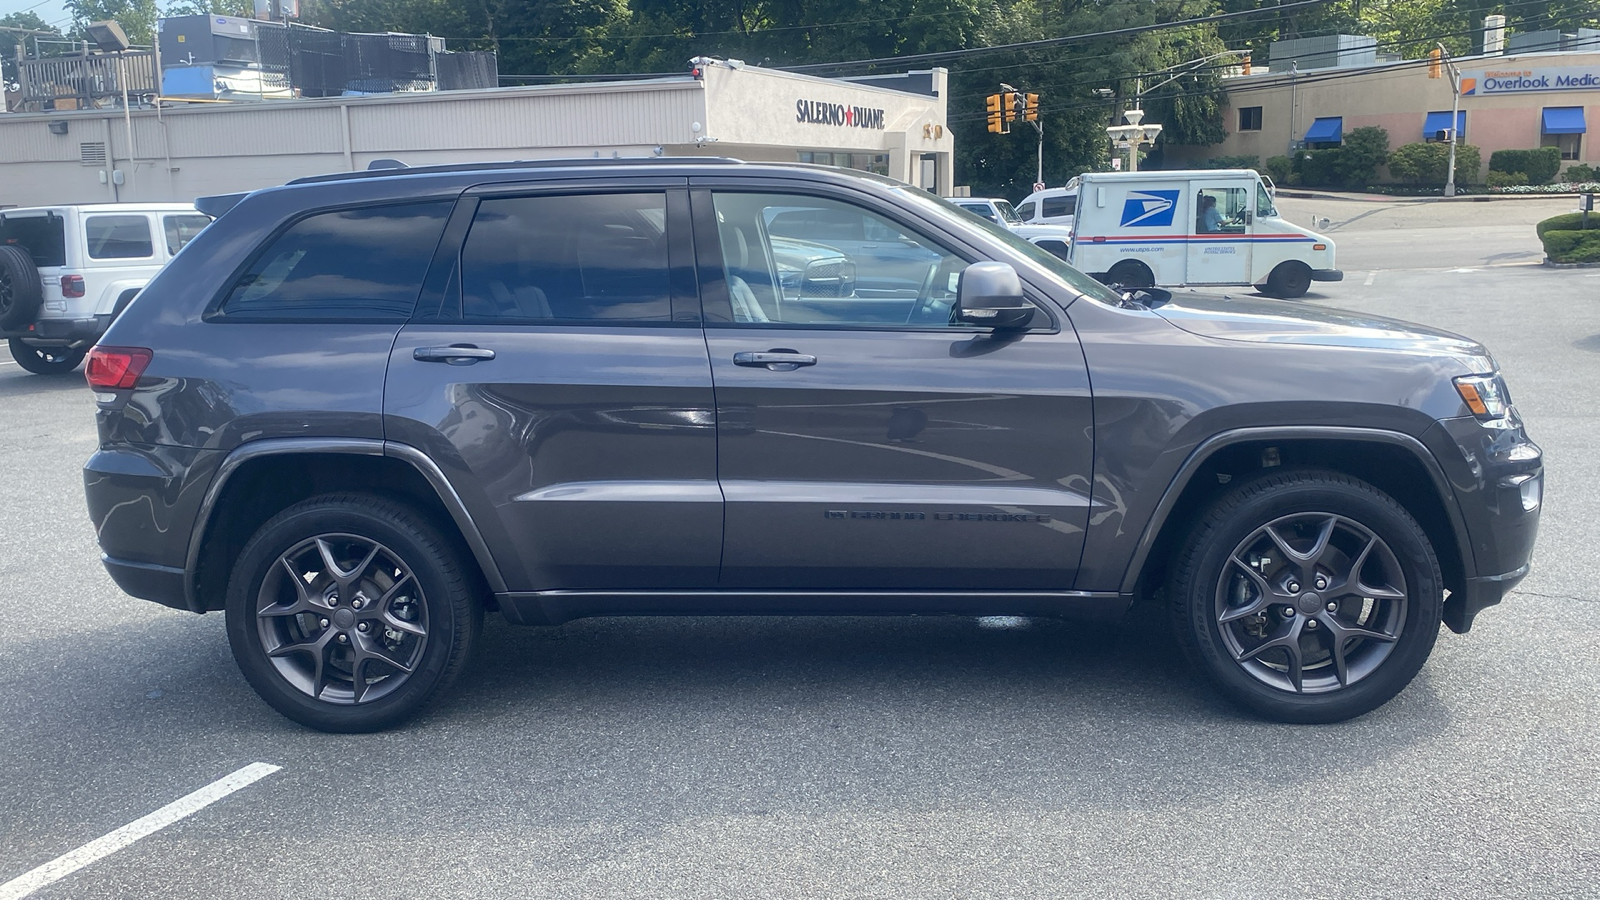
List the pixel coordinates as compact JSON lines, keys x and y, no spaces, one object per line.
{"x":1424,"y":163}
{"x":1567,"y":241}
{"x":1230,"y":162}
{"x":1539,"y":165}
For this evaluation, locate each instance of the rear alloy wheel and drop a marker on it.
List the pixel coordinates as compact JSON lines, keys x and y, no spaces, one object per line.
{"x":1308,"y":596}
{"x":46,"y":360}
{"x":1288,"y":281}
{"x":349,"y":613}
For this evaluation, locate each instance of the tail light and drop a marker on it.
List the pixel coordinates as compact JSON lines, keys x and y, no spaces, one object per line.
{"x":72,"y":285}
{"x":116,"y":368}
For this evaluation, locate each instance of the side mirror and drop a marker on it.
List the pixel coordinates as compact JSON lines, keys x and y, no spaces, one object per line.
{"x":990,"y":294}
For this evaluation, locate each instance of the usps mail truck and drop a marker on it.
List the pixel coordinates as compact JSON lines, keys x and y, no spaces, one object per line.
{"x":1194,"y":227}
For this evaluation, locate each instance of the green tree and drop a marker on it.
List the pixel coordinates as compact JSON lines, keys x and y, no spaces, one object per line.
{"x":10,"y":40}
{"x":137,"y":17}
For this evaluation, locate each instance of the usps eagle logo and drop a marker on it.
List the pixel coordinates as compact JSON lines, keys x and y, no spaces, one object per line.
{"x":1154,"y":208}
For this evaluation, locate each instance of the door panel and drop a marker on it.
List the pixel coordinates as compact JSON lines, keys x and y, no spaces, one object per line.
{"x":903,"y":460}
{"x":589,"y":433}
{"x":1219,"y":247}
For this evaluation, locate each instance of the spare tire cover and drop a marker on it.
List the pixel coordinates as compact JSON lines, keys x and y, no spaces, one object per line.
{"x":21,"y":291}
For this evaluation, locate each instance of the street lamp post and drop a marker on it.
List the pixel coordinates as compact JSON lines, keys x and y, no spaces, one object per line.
{"x":1134,"y":134}
{"x":1455,"y":118}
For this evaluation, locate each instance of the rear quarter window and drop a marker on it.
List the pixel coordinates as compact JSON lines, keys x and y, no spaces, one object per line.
{"x":1058,"y":206}
{"x":118,"y":237}
{"x":44,"y":237}
{"x":363,"y":264}
{"x":181,"y":229}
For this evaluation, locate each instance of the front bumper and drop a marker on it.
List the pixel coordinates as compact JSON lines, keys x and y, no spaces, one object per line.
{"x":1326,"y":275}
{"x":63,"y":332}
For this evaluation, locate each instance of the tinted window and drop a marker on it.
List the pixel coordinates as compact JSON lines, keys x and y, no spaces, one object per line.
{"x":1025,"y":211}
{"x":793,"y":260}
{"x":44,"y":237}
{"x":582,"y":258}
{"x":352,"y":264}
{"x":1058,"y":206}
{"x":182,"y":228}
{"x":118,"y":237}
{"x":980,"y":209}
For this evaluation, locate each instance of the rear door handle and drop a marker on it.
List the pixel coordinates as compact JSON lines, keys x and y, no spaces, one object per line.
{"x":776,"y":360}
{"x":455,"y":354}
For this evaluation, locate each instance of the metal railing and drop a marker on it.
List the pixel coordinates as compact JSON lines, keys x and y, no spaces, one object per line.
{"x":86,"y":82}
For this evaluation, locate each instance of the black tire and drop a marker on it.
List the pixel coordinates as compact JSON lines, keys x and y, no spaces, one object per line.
{"x":1218,"y":604}
{"x":1131,"y":273}
{"x":21,"y":291}
{"x":46,"y":360}
{"x":301,"y":645}
{"x":1288,"y":280}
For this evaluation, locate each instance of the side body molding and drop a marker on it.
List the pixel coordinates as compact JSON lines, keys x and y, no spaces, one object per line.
{"x":418,"y":460}
{"x":1216,"y":442}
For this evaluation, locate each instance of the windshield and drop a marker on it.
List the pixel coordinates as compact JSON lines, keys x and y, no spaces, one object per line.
{"x":1046,"y":260}
{"x":43,"y":236}
{"x":1007,"y":213}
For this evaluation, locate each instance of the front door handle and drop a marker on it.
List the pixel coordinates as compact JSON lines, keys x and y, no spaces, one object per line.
{"x":455,"y":354}
{"x":779,"y":360}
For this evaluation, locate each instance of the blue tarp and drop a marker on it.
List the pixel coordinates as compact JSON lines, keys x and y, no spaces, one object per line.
{"x":1439,"y":121}
{"x":1326,"y":131}
{"x":1563,"y":120}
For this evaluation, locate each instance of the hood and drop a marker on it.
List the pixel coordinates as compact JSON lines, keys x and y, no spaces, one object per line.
{"x":1267,"y":321}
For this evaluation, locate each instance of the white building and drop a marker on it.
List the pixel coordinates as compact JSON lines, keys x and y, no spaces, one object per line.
{"x":894,"y":125}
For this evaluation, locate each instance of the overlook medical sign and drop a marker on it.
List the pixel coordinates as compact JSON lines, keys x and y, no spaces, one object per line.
{"x":1531,"y":81}
{"x":819,"y":112}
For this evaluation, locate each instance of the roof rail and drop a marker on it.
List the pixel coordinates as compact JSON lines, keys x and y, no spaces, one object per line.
{"x":579,"y":162}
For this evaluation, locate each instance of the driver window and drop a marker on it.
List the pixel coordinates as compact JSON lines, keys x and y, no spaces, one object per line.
{"x":1221,"y":210}
{"x":1264,"y":205}
{"x":796,"y":260}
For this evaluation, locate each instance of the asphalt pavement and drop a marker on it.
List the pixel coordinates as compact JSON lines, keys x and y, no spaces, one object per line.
{"x":803,"y":757}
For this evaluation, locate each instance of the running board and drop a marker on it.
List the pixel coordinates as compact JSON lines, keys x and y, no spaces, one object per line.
{"x":555,"y":607}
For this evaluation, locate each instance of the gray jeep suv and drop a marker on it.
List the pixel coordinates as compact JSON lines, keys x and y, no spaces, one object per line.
{"x":359,"y":410}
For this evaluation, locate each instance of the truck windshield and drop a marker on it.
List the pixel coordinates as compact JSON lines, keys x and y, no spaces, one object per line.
{"x":1007,"y":213}
{"x":1264,"y":207}
{"x":43,"y":236}
{"x":1073,"y":278}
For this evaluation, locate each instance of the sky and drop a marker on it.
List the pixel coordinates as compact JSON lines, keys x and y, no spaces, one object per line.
{"x":52,"y":11}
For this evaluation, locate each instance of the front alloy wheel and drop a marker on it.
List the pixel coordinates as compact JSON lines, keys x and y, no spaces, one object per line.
{"x":1307,"y":596}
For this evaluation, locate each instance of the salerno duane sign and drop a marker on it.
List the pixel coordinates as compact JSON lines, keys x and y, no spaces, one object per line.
{"x":818,"y":112}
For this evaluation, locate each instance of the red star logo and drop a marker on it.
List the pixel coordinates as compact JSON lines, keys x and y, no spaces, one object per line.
{"x":849,"y":115}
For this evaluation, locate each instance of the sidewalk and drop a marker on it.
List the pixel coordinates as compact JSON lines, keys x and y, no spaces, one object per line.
{"x":1304,"y":194}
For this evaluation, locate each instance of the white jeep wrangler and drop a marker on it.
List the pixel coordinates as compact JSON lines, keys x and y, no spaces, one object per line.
{"x":67,"y":271}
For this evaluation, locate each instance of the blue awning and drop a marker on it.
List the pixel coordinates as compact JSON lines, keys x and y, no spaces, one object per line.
{"x":1563,"y":120}
{"x":1326,"y":131}
{"x":1439,"y":121}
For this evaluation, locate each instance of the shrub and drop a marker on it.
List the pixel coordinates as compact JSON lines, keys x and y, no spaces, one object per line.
{"x":1230,"y":162}
{"x":1539,"y":165}
{"x":1567,"y":222}
{"x":1572,"y":246}
{"x":1578,"y":173}
{"x":1424,"y":163}
{"x":1363,"y":151}
{"x":1280,"y":167}
{"x":1498,"y":179}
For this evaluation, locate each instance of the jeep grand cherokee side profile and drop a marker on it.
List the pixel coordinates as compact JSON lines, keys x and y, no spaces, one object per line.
{"x":360,"y":410}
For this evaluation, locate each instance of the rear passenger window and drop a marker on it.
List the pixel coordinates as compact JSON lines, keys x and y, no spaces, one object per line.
{"x":352,"y":264}
{"x":119,"y":237}
{"x":181,"y":229}
{"x":568,"y":259}
{"x":1058,"y":206}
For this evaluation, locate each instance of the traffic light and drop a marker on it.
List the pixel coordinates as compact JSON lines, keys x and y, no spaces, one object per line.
{"x":1019,"y":107}
{"x":1434,"y":69}
{"x":1030,"y":111}
{"x":1246,"y":64}
{"x":1009,"y":107}
{"x":997,"y":119}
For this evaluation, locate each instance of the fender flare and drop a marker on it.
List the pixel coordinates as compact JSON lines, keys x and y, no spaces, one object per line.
{"x":1209,"y":447}
{"x":426,"y":467}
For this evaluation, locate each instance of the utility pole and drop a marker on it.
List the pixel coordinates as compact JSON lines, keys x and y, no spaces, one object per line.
{"x":1455,"y":119}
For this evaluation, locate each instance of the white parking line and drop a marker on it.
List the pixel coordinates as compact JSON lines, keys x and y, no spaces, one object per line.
{"x":99,"y":848}
{"x":1370,"y":275}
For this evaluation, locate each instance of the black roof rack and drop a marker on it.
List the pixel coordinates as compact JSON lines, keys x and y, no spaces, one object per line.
{"x":579,"y":162}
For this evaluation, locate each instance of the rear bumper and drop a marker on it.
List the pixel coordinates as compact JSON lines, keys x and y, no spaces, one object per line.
{"x":63,"y":332}
{"x":1326,"y":275}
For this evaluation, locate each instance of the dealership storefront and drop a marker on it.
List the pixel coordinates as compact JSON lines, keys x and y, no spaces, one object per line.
{"x":893,"y":125}
{"x":1508,"y":102}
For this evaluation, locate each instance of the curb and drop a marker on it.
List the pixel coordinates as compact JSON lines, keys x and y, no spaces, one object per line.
{"x":1412,"y":198}
{"x":1560,"y":265}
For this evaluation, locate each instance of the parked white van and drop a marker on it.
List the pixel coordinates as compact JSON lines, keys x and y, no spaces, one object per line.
{"x":1051,"y":206}
{"x":1054,"y":238}
{"x":1194,"y":227}
{"x":67,"y":271}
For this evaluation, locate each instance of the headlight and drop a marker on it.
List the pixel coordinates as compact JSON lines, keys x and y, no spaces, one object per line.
{"x":1485,"y":395}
